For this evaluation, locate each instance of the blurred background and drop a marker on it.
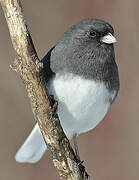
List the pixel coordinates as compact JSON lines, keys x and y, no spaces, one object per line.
{"x":110,"y":151}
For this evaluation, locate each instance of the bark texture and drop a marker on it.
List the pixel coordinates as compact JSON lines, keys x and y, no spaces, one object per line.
{"x":29,"y":67}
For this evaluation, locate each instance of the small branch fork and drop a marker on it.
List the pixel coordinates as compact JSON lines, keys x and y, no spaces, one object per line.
{"x":29,"y":67}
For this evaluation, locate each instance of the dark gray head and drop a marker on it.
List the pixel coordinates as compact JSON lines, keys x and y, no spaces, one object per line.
{"x":86,"y":49}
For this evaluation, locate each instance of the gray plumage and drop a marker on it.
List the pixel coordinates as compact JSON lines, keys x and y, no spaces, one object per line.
{"x":80,"y":54}
{"x":82,"y":74}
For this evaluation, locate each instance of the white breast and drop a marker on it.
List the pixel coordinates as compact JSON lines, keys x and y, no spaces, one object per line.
{"x":82,"y":103}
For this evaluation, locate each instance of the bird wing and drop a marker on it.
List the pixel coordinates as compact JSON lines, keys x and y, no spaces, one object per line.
{"x":47,"y":71}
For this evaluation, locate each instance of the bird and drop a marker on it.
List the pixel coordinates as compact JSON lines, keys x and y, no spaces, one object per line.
{"x":82,"y":74}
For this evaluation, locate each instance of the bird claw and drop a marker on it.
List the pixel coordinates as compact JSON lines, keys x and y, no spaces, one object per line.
{"x":85,"y":175}
{"x":54,"y":108}
{"x":81,"y":162}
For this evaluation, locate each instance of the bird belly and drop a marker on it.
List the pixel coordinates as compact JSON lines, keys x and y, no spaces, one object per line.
{"x":82,"y":103}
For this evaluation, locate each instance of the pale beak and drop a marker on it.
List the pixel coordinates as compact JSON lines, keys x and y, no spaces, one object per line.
{"x":109,"y":39}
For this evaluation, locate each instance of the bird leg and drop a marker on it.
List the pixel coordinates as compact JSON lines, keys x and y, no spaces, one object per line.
{"x":76,"y":149}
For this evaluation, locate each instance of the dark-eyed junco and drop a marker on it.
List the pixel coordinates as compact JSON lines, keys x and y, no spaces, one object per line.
{"x":82,"y":75}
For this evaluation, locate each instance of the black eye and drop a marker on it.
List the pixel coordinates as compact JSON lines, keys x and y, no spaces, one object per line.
{"x":92,"y":33}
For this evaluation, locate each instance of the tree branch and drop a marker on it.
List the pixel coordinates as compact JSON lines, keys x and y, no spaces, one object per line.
{"x":30,"y":68}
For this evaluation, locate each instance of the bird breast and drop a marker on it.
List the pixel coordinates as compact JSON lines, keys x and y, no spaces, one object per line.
{"x":82,"y":103}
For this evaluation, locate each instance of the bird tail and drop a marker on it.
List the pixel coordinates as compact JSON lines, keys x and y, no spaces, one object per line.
{"x":33,"y":148}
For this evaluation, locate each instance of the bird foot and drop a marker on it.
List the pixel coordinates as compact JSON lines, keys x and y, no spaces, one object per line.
{"x":85,"y":175}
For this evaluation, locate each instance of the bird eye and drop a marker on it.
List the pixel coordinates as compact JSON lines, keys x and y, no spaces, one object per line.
{"x":92,"y":33}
